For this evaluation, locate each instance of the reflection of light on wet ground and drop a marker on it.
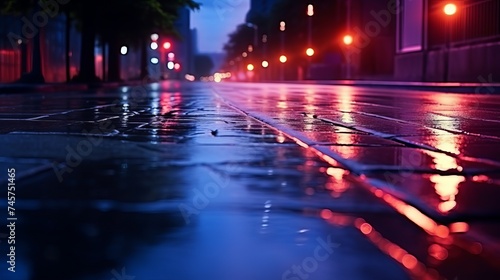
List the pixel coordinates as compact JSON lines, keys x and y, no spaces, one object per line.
{"x":165,"y":103}
{"x":345,"y":104}
{"x":346,"y":150}
{"x":446,"y":186}
{"x":280,"y":138}
{"x":282,"y":105}
{"x":459,"y":227}
{"x":413,"y":214}
{"x":399,"y":254}
{"x":336,"y":219}
{"x":438,"y":252}
{"x":447,"y":189}
{"x":266,"y":216}
{"x":336,"y":184}
{"x":309,"y":104}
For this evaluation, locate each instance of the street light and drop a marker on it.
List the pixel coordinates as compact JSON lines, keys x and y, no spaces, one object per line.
{"x":449,"y":10}
{"x":250,"y":67}
{"x":309,"y":51}
{"x":348,"y":40}
{"x":282,"y":57}
{"x":265,"y":64}
{"x":310,"y":13}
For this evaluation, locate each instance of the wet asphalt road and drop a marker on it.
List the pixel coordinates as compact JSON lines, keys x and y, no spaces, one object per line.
{"x":249,"y":181}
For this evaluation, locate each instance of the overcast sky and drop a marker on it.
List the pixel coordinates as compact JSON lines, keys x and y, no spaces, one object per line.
{"x":215,"y":20}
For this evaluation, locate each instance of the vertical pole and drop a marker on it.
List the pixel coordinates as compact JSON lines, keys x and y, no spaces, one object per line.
{"x":348,"y":58}
{"x":447,"y":51}
{"x":282,"y":74}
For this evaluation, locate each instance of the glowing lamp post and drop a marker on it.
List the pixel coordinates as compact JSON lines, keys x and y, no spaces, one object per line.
{"x":449,"y":10}
{"x":310,"y":50}
{"x":348,"y":40}
{"x":282,"y":57}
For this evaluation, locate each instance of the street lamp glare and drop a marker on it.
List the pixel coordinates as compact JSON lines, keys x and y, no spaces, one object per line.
{"x":265,"y":64}
{"x":310,"y":10}
{"x":450,"y":9}
{"x":310,"y":52}
{"x":124,"y":50}
{"x":282,"y":26}
{"x":250,"y":67}
{"x":283,"y":58}
{"x":348,"y":40}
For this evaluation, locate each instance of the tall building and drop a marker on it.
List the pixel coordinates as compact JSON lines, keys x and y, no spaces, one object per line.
{"x":183,"y":46}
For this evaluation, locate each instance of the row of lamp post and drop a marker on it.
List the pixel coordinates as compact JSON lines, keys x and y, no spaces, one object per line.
{"x":449,"y":9}
{"x":283,"y":58}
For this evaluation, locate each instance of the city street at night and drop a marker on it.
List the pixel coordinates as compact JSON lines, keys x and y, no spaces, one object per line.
{"x":194,"y":180}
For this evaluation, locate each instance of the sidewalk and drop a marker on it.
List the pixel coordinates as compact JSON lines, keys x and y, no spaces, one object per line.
{"x":431,"y":156}
{"x":177,"y":185}
{"x":6,"y":88}
{"x":457,"y":87}
{"x":251,"y":181}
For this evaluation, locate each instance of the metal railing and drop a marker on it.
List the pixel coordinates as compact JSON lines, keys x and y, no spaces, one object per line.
{"x":474,"y":20}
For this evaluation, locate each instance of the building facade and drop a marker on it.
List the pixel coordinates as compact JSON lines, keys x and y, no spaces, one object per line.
{"x":17,"y":42}
{"x":461,"y":47}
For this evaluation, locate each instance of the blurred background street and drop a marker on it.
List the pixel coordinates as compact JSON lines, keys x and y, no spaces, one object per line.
{"x":249,"y":139}
{"x":247,"y":181}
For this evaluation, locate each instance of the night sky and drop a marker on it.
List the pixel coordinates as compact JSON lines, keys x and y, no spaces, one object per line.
{"x":215,"y":20}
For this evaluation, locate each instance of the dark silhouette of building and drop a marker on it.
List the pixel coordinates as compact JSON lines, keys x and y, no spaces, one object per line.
{"x":16,"y":46}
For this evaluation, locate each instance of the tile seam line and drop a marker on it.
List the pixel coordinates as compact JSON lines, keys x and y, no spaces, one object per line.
{"x":358,"y":170}
{"x":365,"y":182}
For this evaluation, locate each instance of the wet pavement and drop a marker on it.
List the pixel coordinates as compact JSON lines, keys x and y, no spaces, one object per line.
{"x":248,"y":181}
